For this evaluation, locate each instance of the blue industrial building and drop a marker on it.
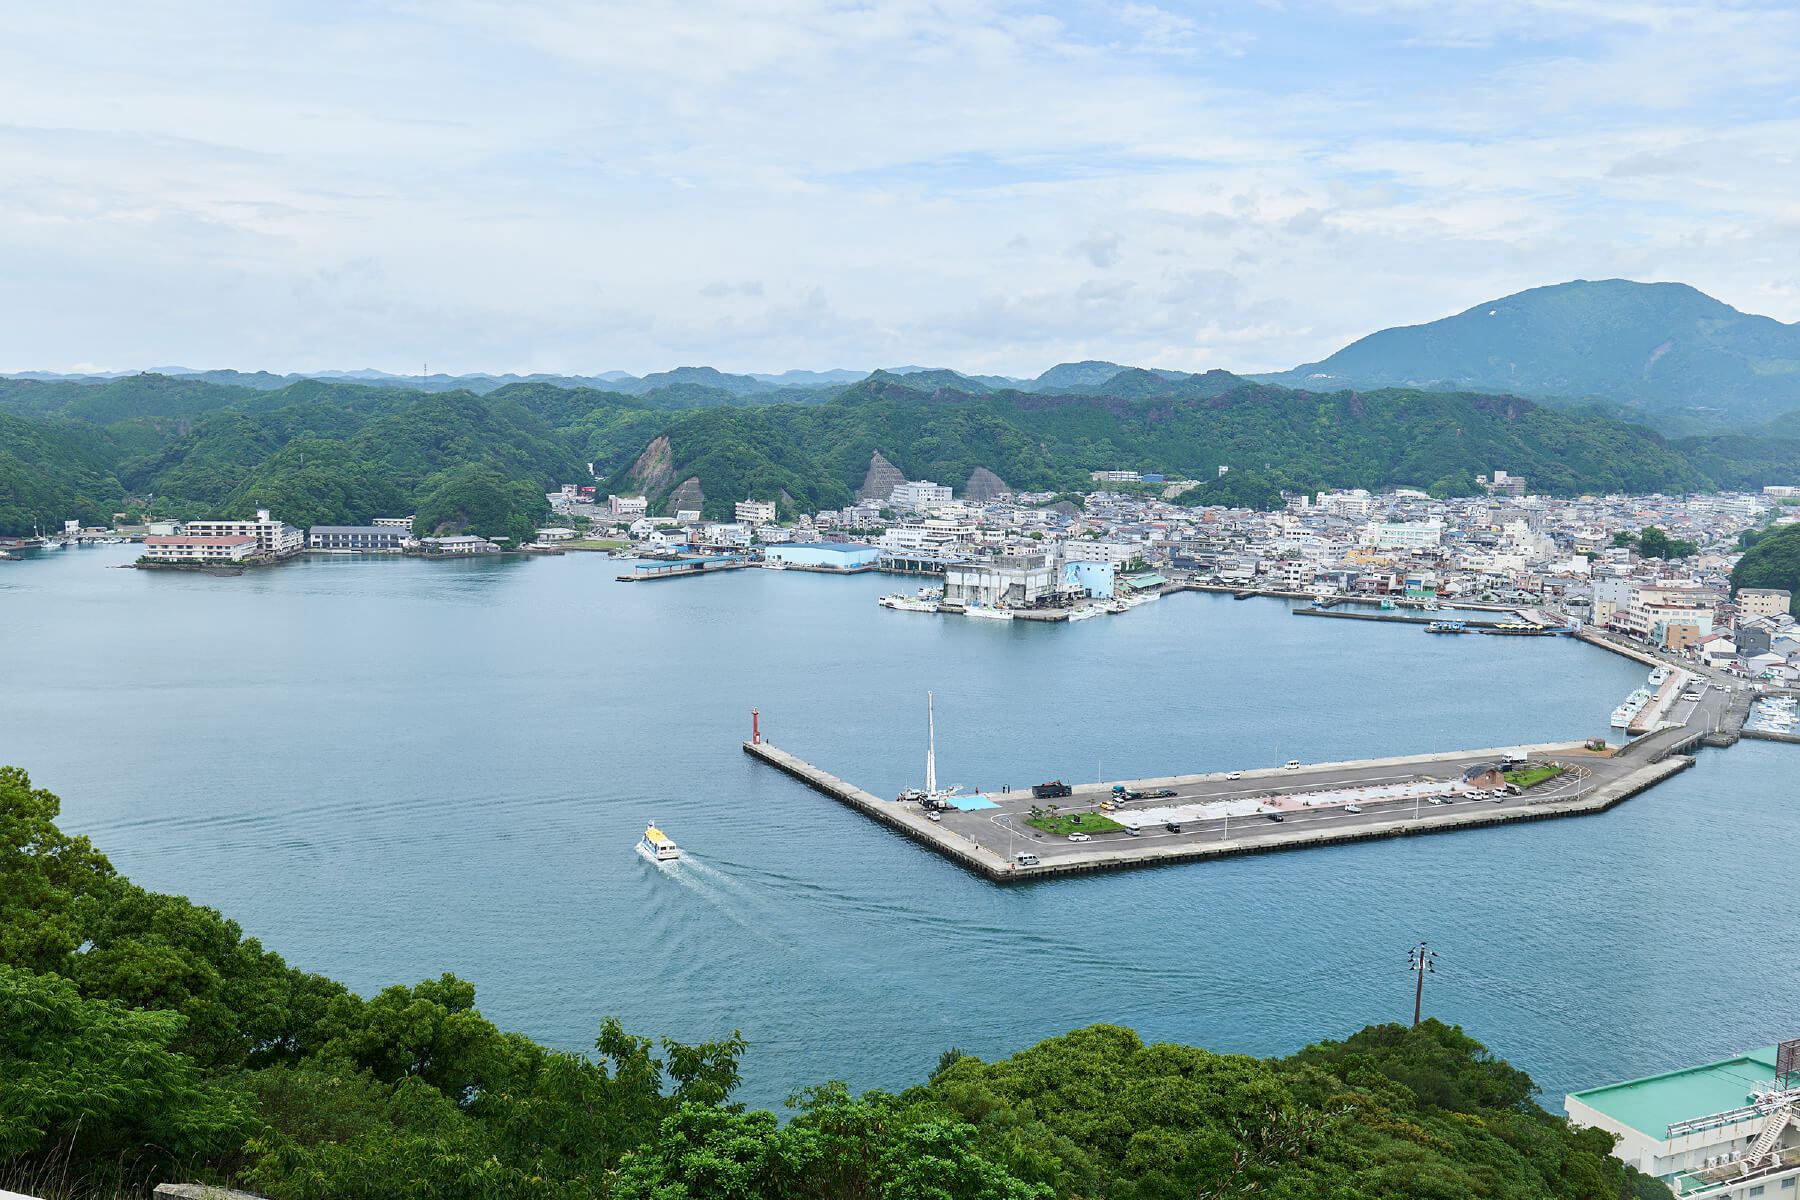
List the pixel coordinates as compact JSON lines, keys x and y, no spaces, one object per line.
{"x":839,"y":556}
{"x":1092,"y":578}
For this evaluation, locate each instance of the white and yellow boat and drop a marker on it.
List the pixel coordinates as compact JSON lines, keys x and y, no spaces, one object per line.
{"x":659,"y":845}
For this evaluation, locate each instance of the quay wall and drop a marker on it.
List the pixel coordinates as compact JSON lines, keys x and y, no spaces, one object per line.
{"x":995,"y":868}
{"x":895,"y":816}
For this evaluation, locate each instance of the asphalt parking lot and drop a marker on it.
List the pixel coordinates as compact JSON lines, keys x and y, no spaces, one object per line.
{"x":1307,"y":798}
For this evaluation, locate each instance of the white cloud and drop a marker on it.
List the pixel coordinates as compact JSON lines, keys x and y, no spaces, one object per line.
{"x":759,"y":184}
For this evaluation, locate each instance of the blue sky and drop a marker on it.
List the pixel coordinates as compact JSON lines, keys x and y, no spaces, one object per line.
{"x":578,"y":187}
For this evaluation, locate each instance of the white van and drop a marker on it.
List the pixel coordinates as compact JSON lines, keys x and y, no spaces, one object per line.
{"x":1025,"y":858}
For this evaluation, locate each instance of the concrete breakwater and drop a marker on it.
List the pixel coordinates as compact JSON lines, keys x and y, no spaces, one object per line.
{"x":986,"y":839}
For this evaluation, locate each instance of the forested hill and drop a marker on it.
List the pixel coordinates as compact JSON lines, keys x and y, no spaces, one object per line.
{"x":321,"y":452}
{"x":1188,"y":428}
{"x":1672,"y":355}
{"x":145,"y":1039}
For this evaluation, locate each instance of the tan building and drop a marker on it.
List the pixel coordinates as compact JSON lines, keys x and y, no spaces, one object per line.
{"x":1762,"y":602}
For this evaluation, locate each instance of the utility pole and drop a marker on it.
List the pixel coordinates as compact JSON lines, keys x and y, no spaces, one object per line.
{"x":1419,"y":962}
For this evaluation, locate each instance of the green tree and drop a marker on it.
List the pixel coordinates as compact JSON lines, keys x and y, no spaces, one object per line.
{"x":431,"y":1032}
{"x":44,"y":873}
{"x":96,"y":1084}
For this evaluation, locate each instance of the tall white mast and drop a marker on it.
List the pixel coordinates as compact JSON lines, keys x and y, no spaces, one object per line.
{"x":930,"y":746}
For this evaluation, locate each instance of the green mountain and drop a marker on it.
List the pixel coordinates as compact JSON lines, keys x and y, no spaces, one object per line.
{"x":313,"y":452}
{"x":53,"y":471}
{"x":1187,"y":427}
{"x":334,"y":452}
{"x":1664,"y":352}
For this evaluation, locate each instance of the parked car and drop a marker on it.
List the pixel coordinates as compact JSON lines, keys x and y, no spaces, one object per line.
{"x":1161,"y":794}
{"x":1434,"y":800}
{"x":1292,"y":764}
{"x":1235,"y":775}
{"x":1025,"y":858}
{"x":1352,"y":808}
{"x":1276,"y":817}
{"x":1172,"y":826}
{"x":1080,"y":837}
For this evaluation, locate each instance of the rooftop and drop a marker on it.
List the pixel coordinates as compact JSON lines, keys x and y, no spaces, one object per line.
{"x":1652,"y":1104}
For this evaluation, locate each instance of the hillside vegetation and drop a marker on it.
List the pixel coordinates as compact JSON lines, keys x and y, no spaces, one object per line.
{"x":146,"y":1039}
{"x":1669,"y":354}
{"x":1772,"y":561}
{"x":322,"y":452}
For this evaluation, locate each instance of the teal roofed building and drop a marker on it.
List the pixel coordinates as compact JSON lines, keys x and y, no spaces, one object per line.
{"x":1728,"y":1130}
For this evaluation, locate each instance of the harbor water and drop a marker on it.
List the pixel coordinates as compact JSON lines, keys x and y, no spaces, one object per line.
{"x":388,"y":768}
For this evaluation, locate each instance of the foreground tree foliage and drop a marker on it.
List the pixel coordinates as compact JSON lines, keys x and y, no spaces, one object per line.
{"x":145,"y":1039}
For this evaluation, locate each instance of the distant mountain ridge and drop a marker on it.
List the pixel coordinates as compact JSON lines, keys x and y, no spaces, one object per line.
{"x":338,"y":452}
{"x":1665,"y":353}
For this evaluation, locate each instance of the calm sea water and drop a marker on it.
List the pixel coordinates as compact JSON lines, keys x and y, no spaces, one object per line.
{"x":387,"y":769}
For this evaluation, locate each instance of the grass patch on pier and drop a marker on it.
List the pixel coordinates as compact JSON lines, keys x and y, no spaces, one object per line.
{"x":1531,"y":777}
{"x":1062,"y":824}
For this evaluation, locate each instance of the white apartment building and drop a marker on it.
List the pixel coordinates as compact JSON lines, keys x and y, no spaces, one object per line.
{"x":190,"y":548}
{"x":1082,"y":550}
{"x":919,"y":495}
{"x":755,"y":512}
{"x":1354,"y":503}
{"x":1406,"y":535}
{"x":273,"y":537}
{"x":726,"y":535}
{"x":1115,"y":476}
{"x":925,"y":535}
{"x":627,"y":506}
{"x":1295,"y":574}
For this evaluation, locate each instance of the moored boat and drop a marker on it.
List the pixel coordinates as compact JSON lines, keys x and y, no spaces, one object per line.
{"x":925,"y":601}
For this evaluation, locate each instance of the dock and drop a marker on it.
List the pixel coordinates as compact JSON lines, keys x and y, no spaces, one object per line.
{"x":679,"y":568}
{"x":984,"y":837}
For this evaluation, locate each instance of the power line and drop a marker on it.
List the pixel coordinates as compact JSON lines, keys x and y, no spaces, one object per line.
{"x":1420,"y":962}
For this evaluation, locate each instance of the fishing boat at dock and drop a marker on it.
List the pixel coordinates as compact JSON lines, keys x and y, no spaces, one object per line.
{"x":925,"y":600}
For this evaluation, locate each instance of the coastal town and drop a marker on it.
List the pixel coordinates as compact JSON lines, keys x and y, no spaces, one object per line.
{"x":1653,"y":569}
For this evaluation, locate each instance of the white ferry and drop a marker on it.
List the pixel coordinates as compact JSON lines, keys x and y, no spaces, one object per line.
{"x":658,"y":845}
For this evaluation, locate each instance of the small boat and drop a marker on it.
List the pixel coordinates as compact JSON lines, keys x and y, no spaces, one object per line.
{"x":1446,"y":627}
{"x":658,"y":845}
{"x":925,"y":601}
{"x":992,"y":614}
{"x":1083,"y":612}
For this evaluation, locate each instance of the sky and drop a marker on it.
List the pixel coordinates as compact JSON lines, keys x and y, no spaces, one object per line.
{"x":996,"y":187}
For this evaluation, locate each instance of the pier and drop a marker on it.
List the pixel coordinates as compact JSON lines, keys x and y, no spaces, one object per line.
{"x":681,"y":567}
{"x":1213,"y":816}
